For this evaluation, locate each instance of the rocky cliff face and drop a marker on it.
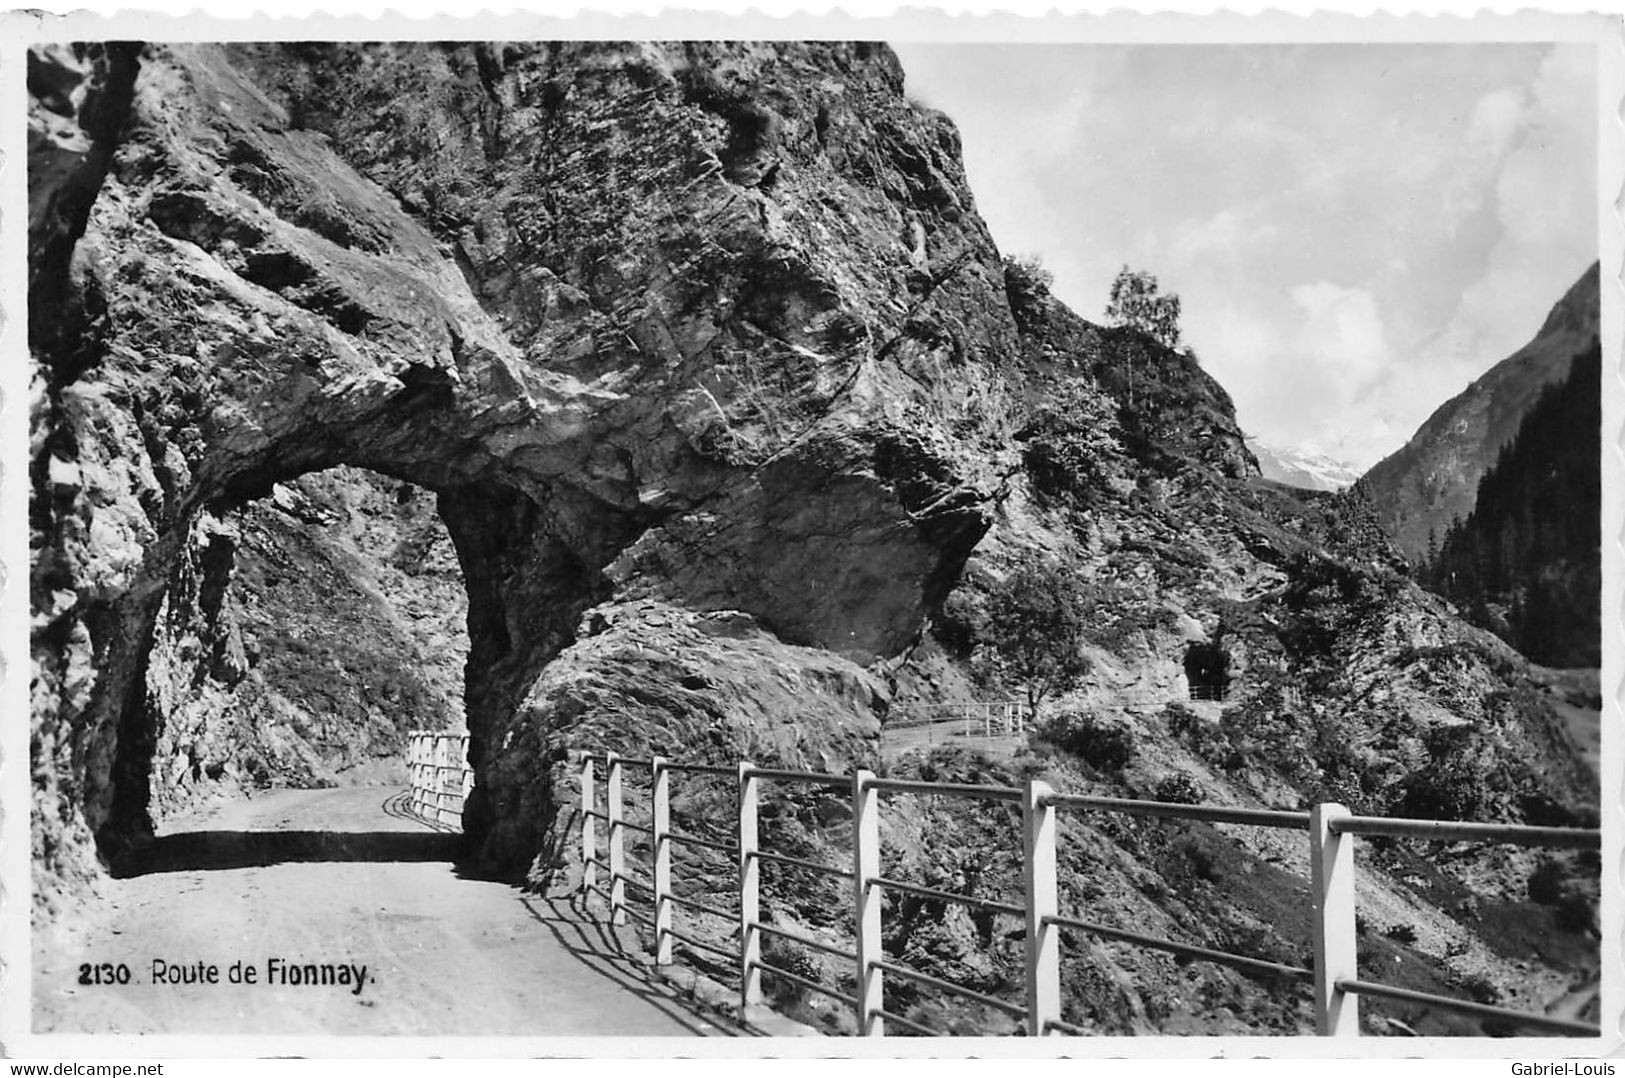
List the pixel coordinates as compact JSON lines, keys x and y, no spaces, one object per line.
{"x":723,"y":394}
{"x":697,"y":344}
{"x":1433,"y":478}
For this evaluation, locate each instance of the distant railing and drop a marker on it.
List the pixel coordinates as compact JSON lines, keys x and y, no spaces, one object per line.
{"x":972,"y":718}
{"x":1331,"y":829}
{"x":437,"y":762}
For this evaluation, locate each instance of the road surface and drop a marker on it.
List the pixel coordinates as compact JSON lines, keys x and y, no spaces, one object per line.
{"x":347,"y":915}
{"x":896,"y":740}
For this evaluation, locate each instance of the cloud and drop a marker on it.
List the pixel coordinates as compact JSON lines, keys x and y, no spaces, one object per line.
{"x":1543,"y":236}
{"x":1226,"y":237}
{"x":1342,"y":334}
{"x":1496,"y":119}
{"x":1356,"y":231}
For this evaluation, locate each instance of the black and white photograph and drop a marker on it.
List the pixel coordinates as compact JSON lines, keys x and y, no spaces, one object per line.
{"x":1047,"y":546}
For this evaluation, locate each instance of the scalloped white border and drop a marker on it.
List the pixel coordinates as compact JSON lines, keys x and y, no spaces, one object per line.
{"x":1013,"y":20}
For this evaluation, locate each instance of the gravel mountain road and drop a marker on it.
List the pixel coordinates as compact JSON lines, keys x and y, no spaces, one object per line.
{"x":346,"y":915}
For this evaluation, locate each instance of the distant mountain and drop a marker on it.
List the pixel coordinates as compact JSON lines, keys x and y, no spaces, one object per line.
{"x":1526,"y":563}
{"x":1302,"y":468}
{"x":1433,"y":478}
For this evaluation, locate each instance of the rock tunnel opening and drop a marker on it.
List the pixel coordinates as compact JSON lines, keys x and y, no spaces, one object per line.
{"x":635,"y":471}
{"x":300,"y":626}
{"x":1207,"y":671}
{"x":302,"y":637}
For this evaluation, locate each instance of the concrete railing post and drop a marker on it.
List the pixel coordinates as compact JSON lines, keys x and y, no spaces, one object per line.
{"x":1331,"y":864}
{"x":589,"y":838}
{"x":617,"y":841}
{"x":1043,"y":940}
{"x":660,"y":779}
{"x":866,"y":901}
{"x":750,"y":867}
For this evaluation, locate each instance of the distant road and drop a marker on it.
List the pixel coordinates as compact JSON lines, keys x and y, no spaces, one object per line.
{"x":304,"y":885}
{"x":896,"y":740}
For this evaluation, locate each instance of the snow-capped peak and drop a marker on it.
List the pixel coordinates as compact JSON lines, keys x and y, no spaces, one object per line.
{"x":1302,"y":466}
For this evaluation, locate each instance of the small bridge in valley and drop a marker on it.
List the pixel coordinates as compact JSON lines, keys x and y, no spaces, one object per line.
{"x":730,"y":939}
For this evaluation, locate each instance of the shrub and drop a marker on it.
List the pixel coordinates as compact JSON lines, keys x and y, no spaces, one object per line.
{"x":1027,"y":286}
{"x":1479,"y":988}
{"x":1401,"y":934}
{"x":1178,"y":788}
{"x":1067,"y":442}
{"x":1575,"y":913}
{"x":1182,"y":722}
{"x":1200,"y":860}
{"x":1546,"y":882}
{"x":1104,"y":745}
{"x":1203,"y":738}
{"x":787,"y":955}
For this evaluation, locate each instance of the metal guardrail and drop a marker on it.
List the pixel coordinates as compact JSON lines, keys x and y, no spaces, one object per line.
{"x":971,"y":718}
{"x":1330,"y":828}
{"x":437,"y":762}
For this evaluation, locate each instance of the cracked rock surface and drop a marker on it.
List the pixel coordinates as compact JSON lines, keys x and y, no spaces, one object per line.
{"x":678,"y":334}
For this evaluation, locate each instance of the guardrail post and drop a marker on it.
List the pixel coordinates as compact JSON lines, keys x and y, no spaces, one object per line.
{"x":1331,"y":863}
{"x":750,"y":937}
{"x":1043,"y":939}
{"x":589,"y":838}
{"x":866,"y":896}
{"x":660,"y":779}
{"x":617,"y":842}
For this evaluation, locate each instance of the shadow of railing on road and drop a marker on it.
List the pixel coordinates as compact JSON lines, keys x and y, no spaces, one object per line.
{"x":594,"y":946}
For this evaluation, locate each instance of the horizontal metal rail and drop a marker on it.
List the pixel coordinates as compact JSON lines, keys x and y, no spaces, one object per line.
{"x":701,"y":945}
{"x":632,"y":881}
{"x":1464,"y":1006}
{"x":822,"y":778}
{"x":805,"y":982}
{"x":704,"y":907}
{"x":947,"y":789}
{"x":641,"y":918}
{"x":948,"y":896}
{"x":694,"y":840}
{"x":1297,"y":821}
{"x":807,"y":941}
{"x":703,"y":769}
{"x":797,"y":862}
{"x":1189,"y":950}
{"x":893,"y":1016}
{"x":1330,"y":829}
{"x":624,"y":761}
{"x":1449,"y":831}
{"x":1016,"y":1009}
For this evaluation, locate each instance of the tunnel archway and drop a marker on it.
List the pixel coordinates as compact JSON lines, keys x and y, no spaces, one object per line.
{"x":661,"y":402}
{"x":1207,"y":671}
{"x":310,"y":633}
{"x":525,"y":587}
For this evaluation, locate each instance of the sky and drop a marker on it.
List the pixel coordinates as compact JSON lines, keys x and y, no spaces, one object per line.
{"x":1355,"y":232}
